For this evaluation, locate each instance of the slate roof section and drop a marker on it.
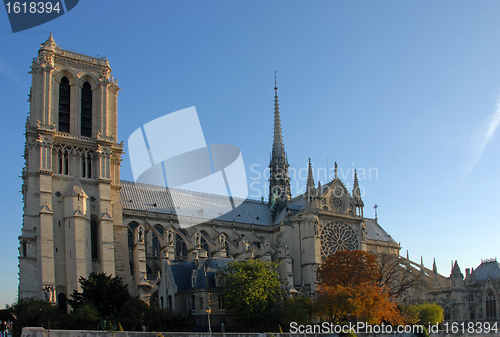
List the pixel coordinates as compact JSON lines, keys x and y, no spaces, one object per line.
{"x":182,"y":272}
{"x":157,"y":199}
{"x":487,"y":269}
{"x":375,"y":232}
{"x":212,"y":266}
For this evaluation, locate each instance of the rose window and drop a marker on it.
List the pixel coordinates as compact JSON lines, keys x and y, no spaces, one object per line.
{"x":338,"y":201}
{"x":336,"y":236}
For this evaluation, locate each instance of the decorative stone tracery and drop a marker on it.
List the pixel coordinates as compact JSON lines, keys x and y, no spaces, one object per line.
{"x":336,"y":236}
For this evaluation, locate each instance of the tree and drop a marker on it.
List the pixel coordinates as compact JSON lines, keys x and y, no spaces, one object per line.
{"x":252,"y":291}
{"x":430,"y":313}
{"x":158,"y":319}
{"x":297,"y":310}
{"x":85,"y":317}
{"x":107,"y":294}
{"x":349,"y":289}
{"x":397,"y":275}
{"x":34,"y":312}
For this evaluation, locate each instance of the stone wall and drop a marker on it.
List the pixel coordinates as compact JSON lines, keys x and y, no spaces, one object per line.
{"x":41,"y":332}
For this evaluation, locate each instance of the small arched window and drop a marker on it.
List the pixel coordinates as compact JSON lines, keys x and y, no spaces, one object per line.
{"x":491,"y":305}
{"x":94,"y":238}
{"x":86,"y":165}
{"x":64,"y":104}
{"x":61,"y":302}
{"x":86,"y":110}
{"x":180,"y":247}
{"x":63,"y":161}
{"x":204,"y":244}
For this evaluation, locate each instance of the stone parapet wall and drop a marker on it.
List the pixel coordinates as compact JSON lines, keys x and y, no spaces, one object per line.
{"x":41,"y":332}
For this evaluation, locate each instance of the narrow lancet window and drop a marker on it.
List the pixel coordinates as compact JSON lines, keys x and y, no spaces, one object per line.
{"x":86,"y":113}
{"x":64,"y":104}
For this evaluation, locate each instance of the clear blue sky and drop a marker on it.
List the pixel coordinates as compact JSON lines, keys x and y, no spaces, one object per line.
{"x":409,"y":88}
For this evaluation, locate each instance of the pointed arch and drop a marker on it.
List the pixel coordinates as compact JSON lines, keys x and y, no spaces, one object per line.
{"x":180,"y":247}
{"x":156,"y":245}
{"x":64,"y":105}
{"x":94,"y":238}
{"x":86,"y":110}
{"x":491,"y":304}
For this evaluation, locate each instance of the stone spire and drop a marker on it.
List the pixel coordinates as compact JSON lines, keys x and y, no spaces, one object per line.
{"x":456,"y":268}
{"x":278,"y":147}
{"x":310,"y":177}
{"x":279,"y":180}
{"x":355,"y":190}
{"x":49,"y":44}
{"x":356,"y":194}
{"x":310,"y":189}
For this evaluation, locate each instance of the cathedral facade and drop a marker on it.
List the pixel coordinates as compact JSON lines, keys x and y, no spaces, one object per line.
{"x":79,"y":217}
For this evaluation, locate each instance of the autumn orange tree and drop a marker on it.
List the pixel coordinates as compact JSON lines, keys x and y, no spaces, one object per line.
{"x":349,"y":290}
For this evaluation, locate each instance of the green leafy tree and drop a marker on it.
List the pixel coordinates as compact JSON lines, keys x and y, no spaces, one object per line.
{"x":85,"y":317}
{"x":132,"y":314}
{"x":296,"y":309}
{"x":253,"y":291}
{"x":34,"y":312}
{"x":430,"y":313}
{"x":107,"y":294}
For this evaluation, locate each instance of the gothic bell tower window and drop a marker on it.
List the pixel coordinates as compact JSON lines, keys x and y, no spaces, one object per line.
{"x":86,"y":110}
{"x":64,"y":104}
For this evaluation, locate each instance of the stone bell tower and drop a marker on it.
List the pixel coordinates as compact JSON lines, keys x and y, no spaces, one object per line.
{"x":72,"y":215}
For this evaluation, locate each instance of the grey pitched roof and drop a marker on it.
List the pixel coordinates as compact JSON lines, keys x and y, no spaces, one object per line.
{"x":375,"y":232}
{"x":212,"y":266}
{"x":489,"y":268}
{"x":157,"y":199}
{"x":181,"y":272}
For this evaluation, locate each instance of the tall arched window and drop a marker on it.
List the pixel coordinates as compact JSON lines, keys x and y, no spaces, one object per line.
{"x":491,"y":305}
{"x":156,"y":246}
{"x":63,"y":159}
{"x":131,"y":244}
{"x":94,"y":239}
{"x":64,"y":104}
{"x":86,"y":112}
{"x":86,"y":165}
{"x":180,"y":247}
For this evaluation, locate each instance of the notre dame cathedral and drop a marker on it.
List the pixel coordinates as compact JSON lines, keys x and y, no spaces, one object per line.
{"x":79,"y":217}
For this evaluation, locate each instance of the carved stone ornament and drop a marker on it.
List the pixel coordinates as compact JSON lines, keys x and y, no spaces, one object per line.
{"x":336,"y":236}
